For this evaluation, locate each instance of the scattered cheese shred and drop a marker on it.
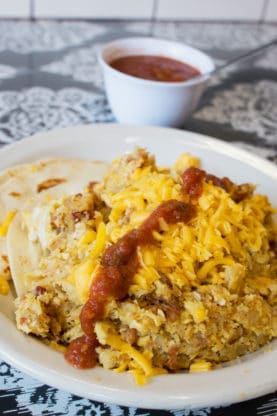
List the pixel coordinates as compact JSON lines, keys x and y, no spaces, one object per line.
{"x":121,"y":368}
{"x":145,"y":367}
{"x":140,"y":377}
{"x":82,"y":276}
{"x":4,"y":286}
{"x":57,"y":347}
{"x":197,"y":310}
{"x":116,"y":342}
{"x":6,"y":223}
{"x":100,"y":240}
{"x":200,"y":366}
{"x":87,"y":238}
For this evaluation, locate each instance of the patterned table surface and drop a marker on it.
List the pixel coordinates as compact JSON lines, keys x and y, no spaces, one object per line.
{"x":49,"y":78}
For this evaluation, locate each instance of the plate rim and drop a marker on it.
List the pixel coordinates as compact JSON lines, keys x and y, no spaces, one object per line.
{"x":224,"y":147}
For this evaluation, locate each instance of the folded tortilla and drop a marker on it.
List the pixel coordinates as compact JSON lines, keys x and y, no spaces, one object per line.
{"x":19,"y":184}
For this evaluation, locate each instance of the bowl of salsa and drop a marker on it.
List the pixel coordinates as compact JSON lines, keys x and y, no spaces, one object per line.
{"x":153,"y":81}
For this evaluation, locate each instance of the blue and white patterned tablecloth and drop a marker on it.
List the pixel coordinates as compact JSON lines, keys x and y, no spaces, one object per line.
{"x":49,"y":78}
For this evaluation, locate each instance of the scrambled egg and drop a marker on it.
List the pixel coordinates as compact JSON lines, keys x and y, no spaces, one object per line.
{"x":205,"y":292}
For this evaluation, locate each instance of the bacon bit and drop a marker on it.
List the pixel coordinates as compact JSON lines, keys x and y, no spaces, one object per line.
{"x":49,"y":183}
{"x":91,"y":185}
{"x":15,"y":194}
{"x":164,"y":279}
{"x":53,"y":222}
{"x":39,"y":290}
{"x":5,"y":258}
{"x":171,"y":362}
{"x":172,"y":309}
{"x":223,"y":183}
{"x":7,"y":270}
{"x":172,"y":314}
{"x":241,"y":192}
{"x":78,"y":215}
{"x":237,"y":192}
{"x":132,"y":336}
{"x":273,"y":247}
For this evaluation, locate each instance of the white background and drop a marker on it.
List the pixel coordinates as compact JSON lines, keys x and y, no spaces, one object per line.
{"x":247,"y":10}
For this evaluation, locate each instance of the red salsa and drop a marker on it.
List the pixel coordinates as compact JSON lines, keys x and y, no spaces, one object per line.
{"x":155,"y":68}
{"x":193,"y":181}
{"x":193,"y":184}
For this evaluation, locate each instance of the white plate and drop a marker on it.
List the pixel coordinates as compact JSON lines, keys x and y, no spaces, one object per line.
{"x":246,"y":378}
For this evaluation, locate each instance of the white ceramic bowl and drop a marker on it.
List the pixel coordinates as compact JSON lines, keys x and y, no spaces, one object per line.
{"x":139,"y":101}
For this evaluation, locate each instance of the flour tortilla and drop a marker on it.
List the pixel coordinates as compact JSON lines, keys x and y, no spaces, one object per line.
{"x":23,"y":255}
{"x":21,"y":183}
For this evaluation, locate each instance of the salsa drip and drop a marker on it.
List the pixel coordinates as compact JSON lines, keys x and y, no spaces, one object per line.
{"x":119,"y":263}
{"x":193,"y":184}
{"x":155,"y":68}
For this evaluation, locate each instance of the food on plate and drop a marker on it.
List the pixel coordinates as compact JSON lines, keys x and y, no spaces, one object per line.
{"x":20,"y":183}
{"x":150,"y":270}
{"x":155,"y":68}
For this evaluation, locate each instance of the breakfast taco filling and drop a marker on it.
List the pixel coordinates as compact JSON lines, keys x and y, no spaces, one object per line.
{"x":149,"y":270}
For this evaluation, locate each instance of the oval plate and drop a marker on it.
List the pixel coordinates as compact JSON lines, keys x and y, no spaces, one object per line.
{"x":248,"y":377}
